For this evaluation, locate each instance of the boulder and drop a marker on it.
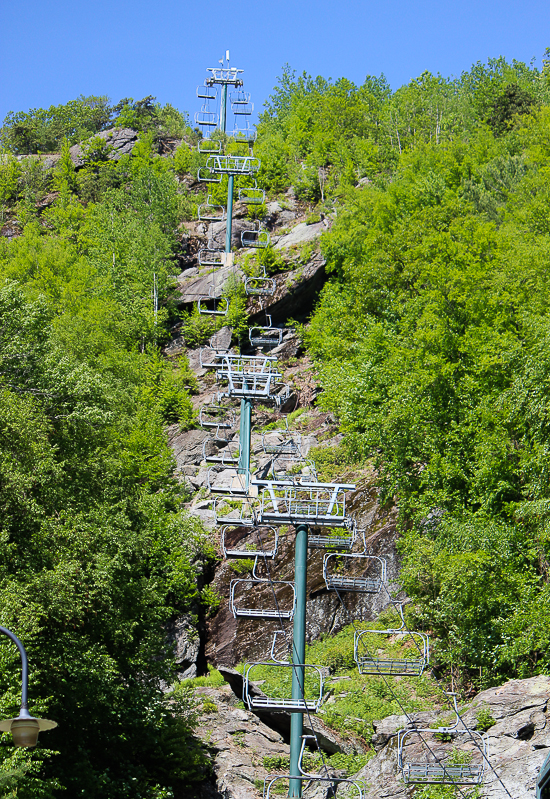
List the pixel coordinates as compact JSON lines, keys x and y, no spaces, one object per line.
{"x":300,"y":234}
{"x":121,"y":141}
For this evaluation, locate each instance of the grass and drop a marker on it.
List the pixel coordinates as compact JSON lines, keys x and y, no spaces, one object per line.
{"x":212,"y":680}
{"x":353,"y":704}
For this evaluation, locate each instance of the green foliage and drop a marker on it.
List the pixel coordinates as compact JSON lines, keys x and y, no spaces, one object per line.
{"x":45,"y":130}
{"x":484,"y":719}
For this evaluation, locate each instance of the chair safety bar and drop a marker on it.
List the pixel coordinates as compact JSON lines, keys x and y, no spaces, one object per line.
{"x":209,"y":306}
{"x":205,"y":175}
{"x":412,"y":667}
{"x":225,"y":458}
{"x":272,"y":703}
{"x":274,"y":612}
{"x":440,"y":772}
{"x":211,"y":256}
{"x":263,"y":286}
{"x":335,"y":580}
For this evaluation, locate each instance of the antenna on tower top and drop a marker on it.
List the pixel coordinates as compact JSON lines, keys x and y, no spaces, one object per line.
{"x":227,"y":55}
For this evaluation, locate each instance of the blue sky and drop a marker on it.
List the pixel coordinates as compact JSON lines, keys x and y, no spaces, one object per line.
{"x":52,"y":52}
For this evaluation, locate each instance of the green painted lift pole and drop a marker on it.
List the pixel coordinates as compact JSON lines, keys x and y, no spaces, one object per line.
{"x":245,"y":429}
{"x":229,"y":224}
{"x":223,"y":109}
{"x":298,"y":655}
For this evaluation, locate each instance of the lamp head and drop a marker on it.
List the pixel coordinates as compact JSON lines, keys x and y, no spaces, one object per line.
{"x":25,"y":728}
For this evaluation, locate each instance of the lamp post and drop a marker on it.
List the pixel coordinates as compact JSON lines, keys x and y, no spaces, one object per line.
{"x":24,"y":728}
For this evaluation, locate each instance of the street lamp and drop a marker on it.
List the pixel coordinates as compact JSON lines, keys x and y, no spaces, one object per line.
{"x":24,"y":728}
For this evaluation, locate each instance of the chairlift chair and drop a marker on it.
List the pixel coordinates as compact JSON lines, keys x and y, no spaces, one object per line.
{"x":261,"y":286}
{"x":244,"y":515}
{"x":242,"y":109}
{"x":275,"y":611}
{"x":255,"y":238}
{"x":434,"y":770}
{"x":246,"y":135}
{"x":206,"y":92}
{"x":210,"y":212}
{"x":225,"y":458}
{"x":252,"y":196}
{"x":275,"y":703}
{"x":353,"y":788}
{"x":282,"y":468}
{"x":221,"y":417}
{"x":210,"y":146}
{"x":239,"y":97}
{"x":211,"y":256}
{"x":205,"y":175}
{"x":411,"y":667}
{"x":209,"y":305}
{"x":264,"y":543}
{"x":336,"y":581}
{"x":233,"y":485}
{"x":289,"y":448}
{"x":206,"y":119}
{"x":265,"y":336}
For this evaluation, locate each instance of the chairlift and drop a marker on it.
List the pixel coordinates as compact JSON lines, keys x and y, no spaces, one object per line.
{"x":316,"y":504}
{"x":209,"y":146}
{"x":225,"y":458}
{"x":438,"y":766}
{"x":289,"y":448}
{"x":221,"y":417}
{"x":252,"y":196}
{"x":239,"y":97}
{"x":206,"y":92}
{"x":209,"y":305}
{"x":275,"y":703}
{"x":282,"y":468}
{"x":244,"y":515}
{"x":337,"y":581}
{"x":411,"y":667}
{"x":274,"y":611}
{"x":210,"y":212}
{"x":205,"y":175}
{"x":232,"y":483}
{"x":211,"y":256}
{"x":258,"y":542}
{"x":265,"y":336}
{"x":206,"y":119}
{"x":242,"y":109}
{"x":260,"y":286}
{"x":255,"y":238}
{"x":246,"y":135}
{"x":353,"y":788}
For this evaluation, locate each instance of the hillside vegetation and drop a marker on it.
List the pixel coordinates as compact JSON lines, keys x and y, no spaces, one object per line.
{"x":430,"y":343}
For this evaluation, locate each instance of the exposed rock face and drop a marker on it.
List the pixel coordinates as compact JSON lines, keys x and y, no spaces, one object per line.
{"x":232,"y":640}
{"x":300,"y":234}
{"x":121,"y":140}
{"x":295,"y":292}
{"x":238,"y":742}
{"x":183,"y":638}
{"x":518,"y":743}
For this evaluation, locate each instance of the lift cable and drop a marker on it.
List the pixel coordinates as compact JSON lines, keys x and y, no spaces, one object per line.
{"x":396,"y":697}
{"x":442,"y":690}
